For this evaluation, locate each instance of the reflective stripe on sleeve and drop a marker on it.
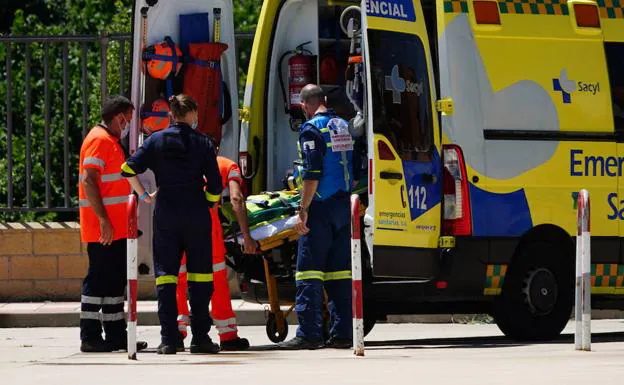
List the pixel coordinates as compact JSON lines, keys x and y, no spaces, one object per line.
{"x":309,"y":274}
{"x":212,"y":197}
{"x":91,"y":300}
{"x":218,"y":267}
{"x":337,"y":275}
{"x":93,"y":160}
{"x":106,"y":201}
{"x":127,"y":169}
{"x":111,"y":177}
{"x":325,"y":129}
{"x":199,"y":277}
{"x":96,"y":315}
{"x":184,"y":319}
{"x":166,"y":279}
{"x":110,"y":317}
{"x":113,"y":300}
{"x":234,"y":174}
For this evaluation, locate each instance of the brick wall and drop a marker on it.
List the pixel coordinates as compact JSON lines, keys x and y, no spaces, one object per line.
{"x":45,"y":262}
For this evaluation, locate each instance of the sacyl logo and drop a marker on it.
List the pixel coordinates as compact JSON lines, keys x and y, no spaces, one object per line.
{"x":398,"y":85}
{"x":567,"y":87}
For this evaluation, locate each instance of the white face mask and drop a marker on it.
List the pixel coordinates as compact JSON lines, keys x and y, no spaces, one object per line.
{"x":126,"y":128}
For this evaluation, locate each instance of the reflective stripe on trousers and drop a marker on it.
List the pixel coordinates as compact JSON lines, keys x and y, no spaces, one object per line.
{"x":106,"y":317}
{"x":226,"y":326}
{"x":329,"y":276}
{"x":218,"y":267}
{"x":101,"y":300}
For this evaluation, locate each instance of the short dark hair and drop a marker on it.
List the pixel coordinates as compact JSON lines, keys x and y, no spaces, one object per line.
{"x":181,"y":105}
{"x":312,"y":93}
{"x":114,"y":105}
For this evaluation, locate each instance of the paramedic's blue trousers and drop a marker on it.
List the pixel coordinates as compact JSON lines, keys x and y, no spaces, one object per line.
{"x":324,"y":260}
{"x":177,"y":231}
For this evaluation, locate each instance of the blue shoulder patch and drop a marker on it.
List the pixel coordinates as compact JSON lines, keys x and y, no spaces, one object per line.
{"x":391,"y":9}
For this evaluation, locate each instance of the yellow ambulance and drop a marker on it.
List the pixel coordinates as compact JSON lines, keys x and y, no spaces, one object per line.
{"x":482,"y":120}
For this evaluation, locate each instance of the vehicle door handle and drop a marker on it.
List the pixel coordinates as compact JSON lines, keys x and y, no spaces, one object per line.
{"x":391,"y":175}
{"x":403,"y":200}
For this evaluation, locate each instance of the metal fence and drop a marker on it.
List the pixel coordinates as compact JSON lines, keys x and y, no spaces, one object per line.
{"x":52,"y":87}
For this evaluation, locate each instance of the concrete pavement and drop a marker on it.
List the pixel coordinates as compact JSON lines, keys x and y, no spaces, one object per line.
{"x":396,"y":354}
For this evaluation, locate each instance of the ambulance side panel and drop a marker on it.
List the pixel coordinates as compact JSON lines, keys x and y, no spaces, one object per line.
{"x":533,"y":117}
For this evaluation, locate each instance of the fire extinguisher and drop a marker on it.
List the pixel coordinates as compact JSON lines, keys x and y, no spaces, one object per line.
{"x":301,"y":72}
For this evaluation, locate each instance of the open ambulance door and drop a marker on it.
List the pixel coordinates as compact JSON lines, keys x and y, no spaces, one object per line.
{"x":404,"y":141}
{"x":163,"y":19}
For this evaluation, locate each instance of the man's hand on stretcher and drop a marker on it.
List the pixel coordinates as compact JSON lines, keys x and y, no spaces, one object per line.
{"x":249,"y":245}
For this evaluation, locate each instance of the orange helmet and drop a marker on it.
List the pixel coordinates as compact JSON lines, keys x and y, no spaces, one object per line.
{"x":158,"y":118}
{"x":162,"y":58}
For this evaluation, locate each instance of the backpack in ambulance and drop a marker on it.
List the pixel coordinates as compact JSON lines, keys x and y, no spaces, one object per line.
{"x":163,"y":61}
{"x":157,"y":118}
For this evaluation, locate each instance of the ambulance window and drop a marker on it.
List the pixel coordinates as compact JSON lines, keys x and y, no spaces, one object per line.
{"x":401,"y":96}
{"x":615,"y":63}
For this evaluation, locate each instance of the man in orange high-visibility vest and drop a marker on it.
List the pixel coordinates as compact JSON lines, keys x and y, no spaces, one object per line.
{"x":222,"y":314}
{"x":103,"y":196}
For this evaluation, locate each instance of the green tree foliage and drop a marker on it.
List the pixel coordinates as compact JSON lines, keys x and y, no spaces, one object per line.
{"x":68,"y":17}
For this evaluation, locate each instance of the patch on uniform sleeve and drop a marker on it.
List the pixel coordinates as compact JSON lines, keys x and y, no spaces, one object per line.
{"x":309,"y":145}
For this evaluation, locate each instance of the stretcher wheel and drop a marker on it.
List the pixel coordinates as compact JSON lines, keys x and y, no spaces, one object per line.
{"x":275,"y":335}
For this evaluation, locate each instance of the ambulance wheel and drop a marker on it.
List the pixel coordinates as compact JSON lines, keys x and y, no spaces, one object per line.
{"x":538,"y":293}
{"x":275,"y":335}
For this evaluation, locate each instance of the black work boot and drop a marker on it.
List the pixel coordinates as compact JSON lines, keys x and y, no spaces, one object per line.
{"x":338,"y":343}
{"x":300,"y":343}
{"x":237,"y":344}
{"x":203,"y":346}
{"x":166,"y":349}
{"x":95,"y":346}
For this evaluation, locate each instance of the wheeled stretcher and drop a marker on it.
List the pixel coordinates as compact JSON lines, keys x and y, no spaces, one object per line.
{"x":268,"y":277}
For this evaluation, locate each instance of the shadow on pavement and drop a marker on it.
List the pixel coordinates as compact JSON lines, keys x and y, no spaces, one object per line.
{"x":483,"y":342}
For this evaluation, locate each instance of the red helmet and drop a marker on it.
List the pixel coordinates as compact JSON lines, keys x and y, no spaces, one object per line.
{"x":162,"y":58}
{"x":158,"y":118}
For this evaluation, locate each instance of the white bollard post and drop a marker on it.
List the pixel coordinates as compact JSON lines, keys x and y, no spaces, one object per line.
{"x":582,"y":313}
{"x":356,"y":278}
{"x":131,"y":271}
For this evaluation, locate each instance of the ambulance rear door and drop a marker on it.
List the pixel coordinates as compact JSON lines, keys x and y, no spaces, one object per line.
{"x":404,"y":141}
{"x":163,"y":19}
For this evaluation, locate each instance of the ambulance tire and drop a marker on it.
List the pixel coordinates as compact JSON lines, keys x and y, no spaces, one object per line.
{"x":538,"y":293}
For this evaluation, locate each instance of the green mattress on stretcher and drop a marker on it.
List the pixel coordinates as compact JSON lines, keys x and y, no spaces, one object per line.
{"x":272,"y":217}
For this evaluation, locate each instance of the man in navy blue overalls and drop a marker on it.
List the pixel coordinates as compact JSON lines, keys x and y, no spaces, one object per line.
{"x":324,"y":256}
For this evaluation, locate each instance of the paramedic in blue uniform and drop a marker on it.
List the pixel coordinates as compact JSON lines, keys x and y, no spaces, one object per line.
{"x":185,"y":165}
{"x":324,"y":253}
